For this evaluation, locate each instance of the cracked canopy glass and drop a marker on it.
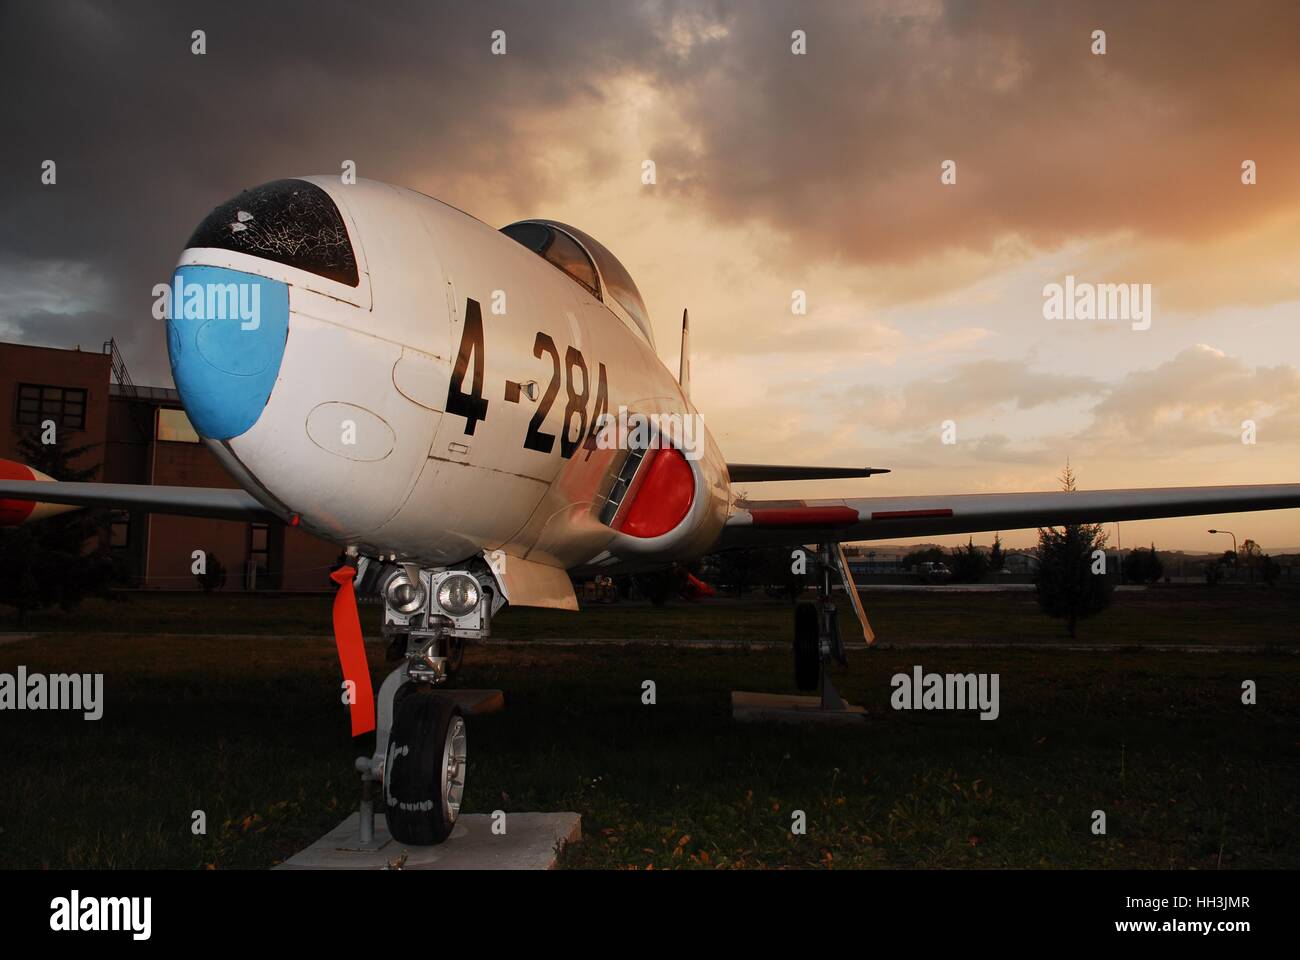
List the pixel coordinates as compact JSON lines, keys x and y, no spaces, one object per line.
{"x":289,"y":221}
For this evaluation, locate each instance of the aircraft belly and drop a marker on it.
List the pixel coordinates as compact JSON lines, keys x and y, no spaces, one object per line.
{"x":457,"y":510}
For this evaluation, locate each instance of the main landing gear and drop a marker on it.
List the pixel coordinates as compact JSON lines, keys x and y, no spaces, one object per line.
{"x":420,"y":737}
{"x":817,"y":639}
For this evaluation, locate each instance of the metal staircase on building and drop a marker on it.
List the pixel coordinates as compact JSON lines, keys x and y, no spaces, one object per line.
{"x":120,"y":374}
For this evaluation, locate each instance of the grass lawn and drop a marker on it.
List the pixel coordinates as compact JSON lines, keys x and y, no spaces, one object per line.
{"x":249,"y":730}
{"x":1257,"y":616}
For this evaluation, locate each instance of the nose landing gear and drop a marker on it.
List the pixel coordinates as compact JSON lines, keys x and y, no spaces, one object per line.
{"x":420,"y":737}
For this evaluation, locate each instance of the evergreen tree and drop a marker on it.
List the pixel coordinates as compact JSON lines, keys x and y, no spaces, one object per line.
{"x":56,"y":561}
{"x":969,"y":564}
{"x":997,"y":559}
{"x":1143,"y":566}
{"x":1066,"y":583}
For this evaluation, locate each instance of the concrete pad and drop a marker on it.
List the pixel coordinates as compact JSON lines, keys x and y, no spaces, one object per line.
{"x":789,"y":708}
{"x":476,"y":703}
{"x":532,"y":842}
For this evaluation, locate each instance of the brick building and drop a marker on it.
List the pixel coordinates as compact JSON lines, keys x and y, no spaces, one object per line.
{"x":142,"y":435}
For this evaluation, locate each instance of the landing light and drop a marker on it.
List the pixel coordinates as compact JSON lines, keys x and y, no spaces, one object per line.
{"x":458,"y":595}
{"x":403,"y":595}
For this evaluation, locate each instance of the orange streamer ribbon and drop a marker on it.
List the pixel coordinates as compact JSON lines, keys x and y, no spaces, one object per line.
{"x":352,"y":651}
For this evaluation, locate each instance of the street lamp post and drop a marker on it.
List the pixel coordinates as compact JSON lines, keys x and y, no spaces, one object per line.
{"x":1234,"y":548}
{"x":1231,"y":534}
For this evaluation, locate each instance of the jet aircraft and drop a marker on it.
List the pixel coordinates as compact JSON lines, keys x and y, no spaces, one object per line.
{"x":443,"y":400}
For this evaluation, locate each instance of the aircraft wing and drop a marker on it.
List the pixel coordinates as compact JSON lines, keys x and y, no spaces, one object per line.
{"x":761,"y":472}
{"x":222,"y":504}
{"x":758,"y":523}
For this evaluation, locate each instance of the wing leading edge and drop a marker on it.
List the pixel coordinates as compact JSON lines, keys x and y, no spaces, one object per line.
{"x":757,"y":523}
{"x":218,"y":503}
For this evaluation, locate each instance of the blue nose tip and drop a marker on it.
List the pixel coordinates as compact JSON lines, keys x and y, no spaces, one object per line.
{"x":226,"y":333}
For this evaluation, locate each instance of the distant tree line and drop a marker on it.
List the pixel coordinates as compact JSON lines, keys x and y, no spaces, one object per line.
{"x":1249,"y":558}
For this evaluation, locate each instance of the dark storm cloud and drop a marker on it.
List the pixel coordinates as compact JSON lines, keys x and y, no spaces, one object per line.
{"x":837,"y":152}
{"x":86,"y":329}
{"x":840,"y":149}
{"x":149,"y":137}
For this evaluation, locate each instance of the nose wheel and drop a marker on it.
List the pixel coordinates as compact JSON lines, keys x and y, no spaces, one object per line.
{"x":425,"y":767}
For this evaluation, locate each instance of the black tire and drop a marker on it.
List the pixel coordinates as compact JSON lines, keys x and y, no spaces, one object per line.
{"x":807,"y":647}
{"x":416,"y":801}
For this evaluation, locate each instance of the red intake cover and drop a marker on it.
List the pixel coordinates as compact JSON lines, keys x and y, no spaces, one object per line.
{"x":663,"y":498}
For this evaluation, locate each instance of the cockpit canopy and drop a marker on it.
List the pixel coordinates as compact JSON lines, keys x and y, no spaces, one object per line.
{"x":293,"y":222}
{"x":588,"y":262}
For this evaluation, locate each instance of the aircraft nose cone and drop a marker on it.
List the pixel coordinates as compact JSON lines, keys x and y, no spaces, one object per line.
{"x":226,"y":334}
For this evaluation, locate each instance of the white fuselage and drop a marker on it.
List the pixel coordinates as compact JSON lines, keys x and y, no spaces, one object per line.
{"x":356,"y":444}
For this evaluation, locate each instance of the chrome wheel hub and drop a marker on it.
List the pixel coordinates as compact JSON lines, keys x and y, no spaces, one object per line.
{"x":453,"y":768}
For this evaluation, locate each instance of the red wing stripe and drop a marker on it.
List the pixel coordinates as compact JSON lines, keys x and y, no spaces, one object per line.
{"x":910,"y":514}
{"x":804,"y":517}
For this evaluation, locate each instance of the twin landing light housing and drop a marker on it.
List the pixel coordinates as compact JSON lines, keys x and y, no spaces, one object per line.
{"x":457,"y":596}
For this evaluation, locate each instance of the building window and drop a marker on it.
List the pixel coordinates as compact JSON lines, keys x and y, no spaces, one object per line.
{"x":175,"y":426}
{"x":66,"y":406}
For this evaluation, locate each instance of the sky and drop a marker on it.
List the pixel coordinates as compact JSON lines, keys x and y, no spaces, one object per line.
{"x":915,"y":175}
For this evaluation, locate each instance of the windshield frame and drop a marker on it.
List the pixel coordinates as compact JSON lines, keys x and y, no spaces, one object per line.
{"x":612,"y":276}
